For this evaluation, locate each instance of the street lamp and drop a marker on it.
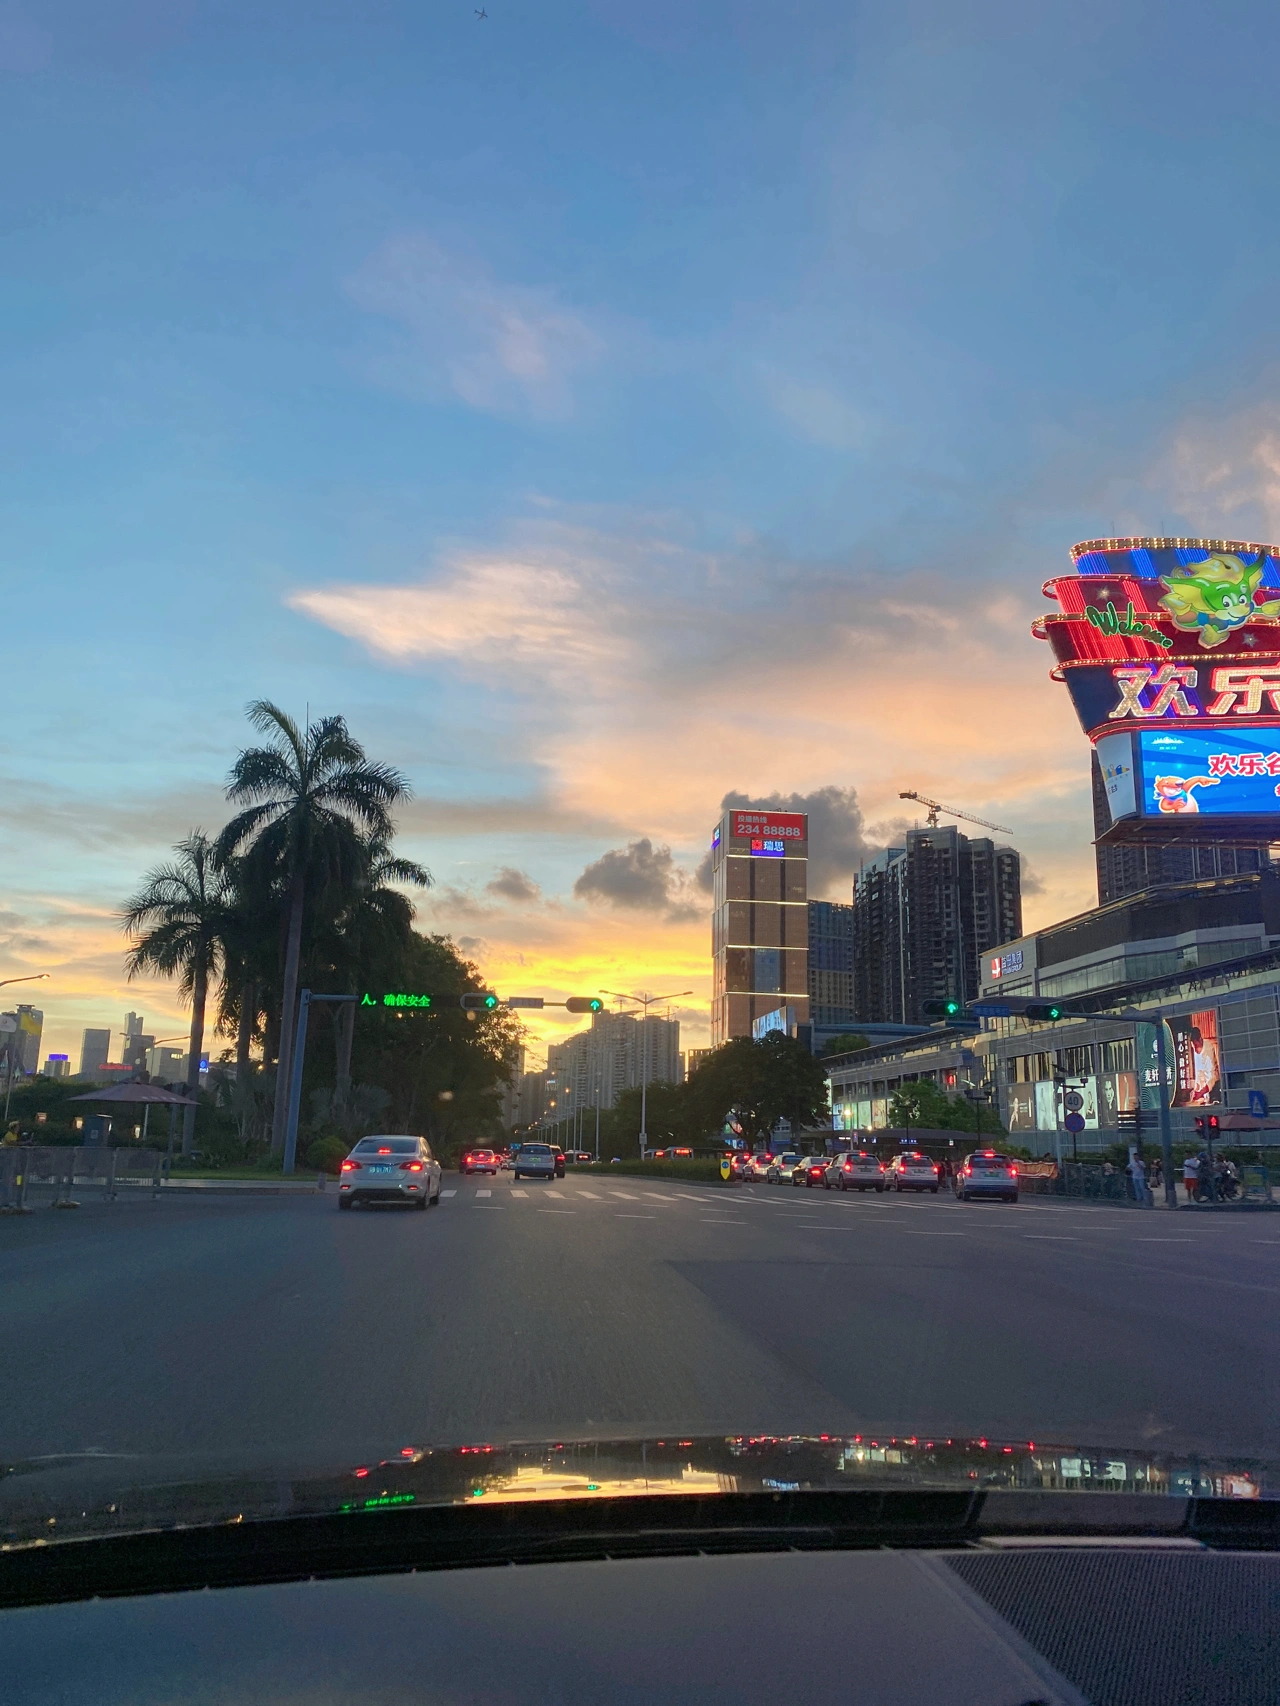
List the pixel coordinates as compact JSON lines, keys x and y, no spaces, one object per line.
{"x":646,"y":1001}
{"x":31,"y":977}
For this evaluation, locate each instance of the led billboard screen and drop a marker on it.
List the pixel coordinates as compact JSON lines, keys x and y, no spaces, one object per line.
{"x":1209,"y":773}
{"x":770,"y":826}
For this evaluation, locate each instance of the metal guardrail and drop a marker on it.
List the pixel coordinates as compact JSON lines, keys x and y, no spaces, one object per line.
{"x":59,"y":1171}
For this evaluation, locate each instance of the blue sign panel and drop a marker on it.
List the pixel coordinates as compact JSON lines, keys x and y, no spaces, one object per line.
{"x":1212,"y":772}
{"x":762,"y":848}
{"x":1258,"y":1104}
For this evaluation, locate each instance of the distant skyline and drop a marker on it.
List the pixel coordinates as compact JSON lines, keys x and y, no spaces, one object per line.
{"x":610,"y":408}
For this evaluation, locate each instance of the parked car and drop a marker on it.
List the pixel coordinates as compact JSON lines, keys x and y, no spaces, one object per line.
{"x":781,"y":1166}
{"x":809,"y":1171}
{"x":683,"y":1154}
{"x":757,"y":1167}
{"x":390,"y":1169}
{"x":479,"y":1161}
{"x":912,"y":1171}
{"x":987,"y":1173}
{"x":859,"y":1170}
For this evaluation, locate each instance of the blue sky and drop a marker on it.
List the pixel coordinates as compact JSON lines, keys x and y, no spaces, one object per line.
{"x":607,"y":407}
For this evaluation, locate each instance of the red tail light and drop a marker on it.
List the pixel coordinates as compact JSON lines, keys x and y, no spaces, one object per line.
{"x":411,"y":1166}
{"x":966,"y":1169}
{"x":350,"y":1166}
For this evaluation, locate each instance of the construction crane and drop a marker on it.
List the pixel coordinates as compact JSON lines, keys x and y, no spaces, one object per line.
{"x":936,"y":806}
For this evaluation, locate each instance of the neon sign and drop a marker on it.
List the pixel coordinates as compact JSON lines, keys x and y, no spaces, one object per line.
{"x":1110,"y":622}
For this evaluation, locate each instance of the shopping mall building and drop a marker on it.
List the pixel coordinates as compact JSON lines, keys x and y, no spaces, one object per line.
{"x":1205,"y":956}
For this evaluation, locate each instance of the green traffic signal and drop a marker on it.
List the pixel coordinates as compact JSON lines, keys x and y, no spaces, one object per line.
{"x":1045,"y":1012}
{"x":584,"y":1004}
{"x":477,"y":1003}
{"x":952,"y":1009}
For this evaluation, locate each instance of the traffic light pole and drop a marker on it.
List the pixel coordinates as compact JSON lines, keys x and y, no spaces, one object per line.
{"x":305,"y":998}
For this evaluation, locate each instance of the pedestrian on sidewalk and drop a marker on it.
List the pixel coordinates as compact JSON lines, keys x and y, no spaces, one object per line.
{"x":1191,"y":1177}
{"x":1138,"y":1179}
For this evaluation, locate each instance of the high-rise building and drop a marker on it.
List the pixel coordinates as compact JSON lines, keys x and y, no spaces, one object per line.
{"x":923,"y":914}
{"x":95,"y":1047}
{"x":167,"y":1064}
{"x":136,"y":1043}
{"x":1127,"y":868}
{"x":26,"y":1040}
{"x":760,"y":921}
{"x":57,"y":1066}
{"x":694,"y":1059}
{"x":592,"y":1068}
{"x":830,"y":962}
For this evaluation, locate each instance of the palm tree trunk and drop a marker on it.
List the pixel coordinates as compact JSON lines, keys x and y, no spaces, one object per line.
{"x":244,"y":1031}
{"x":293,"y":955}
{"x":345,"y":1024}
{"x":199,"y":993}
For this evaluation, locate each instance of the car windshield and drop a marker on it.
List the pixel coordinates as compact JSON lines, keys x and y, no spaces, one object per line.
{"x":589,"y":589}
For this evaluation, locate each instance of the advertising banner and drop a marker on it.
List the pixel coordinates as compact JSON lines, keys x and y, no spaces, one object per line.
{"x":1149,"y":1063}
{"x":1022,"y":1107}
{"x":1209,"y":772}
{"x":1046,"y":1107}
{"x":770,"y":826}
{"x":1197,"y":1074}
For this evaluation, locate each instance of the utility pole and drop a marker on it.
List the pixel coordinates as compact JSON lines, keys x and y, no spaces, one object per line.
{"x":305,"y":998}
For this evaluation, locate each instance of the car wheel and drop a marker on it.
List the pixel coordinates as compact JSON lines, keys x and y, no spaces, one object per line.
{"x":844,"y":1184}
{"x":421,"y":1202}
{"x":344,"y":1202}
{"x":879,"y":1187}
{"x":934,"y":1189}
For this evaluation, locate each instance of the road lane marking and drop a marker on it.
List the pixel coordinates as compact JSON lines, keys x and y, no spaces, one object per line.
{"x":594,"y":1195}
{"x":555,"y":1211}
{"x":720,"y":1222}
{"x":935,"y":1234}
{"x":1050,"y":1237}
{"x":635,"y":1217}
{"x":626,"y":1196}
{"x":484,"y":1193}
{"x":557,"y":1194}
{"x":450,"y":1193}
{"x":519,"y":1193}
{"x":1174,"y":1240}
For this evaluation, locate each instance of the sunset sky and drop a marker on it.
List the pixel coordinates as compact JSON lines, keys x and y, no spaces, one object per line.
{"x":608,"y":407}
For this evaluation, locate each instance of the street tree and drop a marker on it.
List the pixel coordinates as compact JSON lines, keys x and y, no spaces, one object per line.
{"x":179,"y":922}
{"x":313,"y":804}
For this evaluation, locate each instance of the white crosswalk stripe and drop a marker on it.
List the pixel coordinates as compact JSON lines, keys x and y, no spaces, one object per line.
{"x":519,"y":1193}
{"x":450,"y":1193}
{"x":484,"y":1193}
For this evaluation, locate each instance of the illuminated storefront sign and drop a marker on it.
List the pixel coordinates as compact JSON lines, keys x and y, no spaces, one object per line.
{"x":1004,"y":965}
{"x":767,"y":849}
{"x":770,"y":826}
{"x":1170,"y":650}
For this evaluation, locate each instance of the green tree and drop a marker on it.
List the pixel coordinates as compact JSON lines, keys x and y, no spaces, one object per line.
{"x":443,"y":1069}
{"x":178,"y":923}
{"x":848,"y":1042}
{"x":315,"y":804}
{"x":758,"y":1083}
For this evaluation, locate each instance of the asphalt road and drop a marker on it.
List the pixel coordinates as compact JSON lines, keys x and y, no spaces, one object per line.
{"x":239,"y":1328}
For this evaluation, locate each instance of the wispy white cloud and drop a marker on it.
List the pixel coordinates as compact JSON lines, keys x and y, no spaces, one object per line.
{"x":506,"y":349}
{"x":816,"y":412}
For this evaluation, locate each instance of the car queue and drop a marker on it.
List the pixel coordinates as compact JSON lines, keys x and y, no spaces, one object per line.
{"x":983,"y":1174}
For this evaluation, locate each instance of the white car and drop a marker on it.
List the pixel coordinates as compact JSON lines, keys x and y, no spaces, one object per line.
{"x":780,"y":1167}
{"x":390,"y":1169}
{"x":534,"y":1161}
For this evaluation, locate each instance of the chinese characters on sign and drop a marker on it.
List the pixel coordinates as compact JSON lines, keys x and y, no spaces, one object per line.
{"x":1197,"y":1064}
{"x":774,"y":826}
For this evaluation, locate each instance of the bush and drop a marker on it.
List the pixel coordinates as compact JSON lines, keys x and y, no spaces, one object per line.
{"x":694,"y":1172}
{"x":327,"y":1154}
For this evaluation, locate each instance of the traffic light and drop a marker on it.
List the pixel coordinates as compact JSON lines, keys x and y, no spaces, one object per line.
{"x":944,"y":1009}
{"x":584,"y":1004}
{"x":477,"y":1002}
{"x":1207,"y":1125}
{"x":1046,"y":1012}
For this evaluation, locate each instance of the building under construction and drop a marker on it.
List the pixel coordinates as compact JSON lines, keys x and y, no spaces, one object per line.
{"x":923,"y":914}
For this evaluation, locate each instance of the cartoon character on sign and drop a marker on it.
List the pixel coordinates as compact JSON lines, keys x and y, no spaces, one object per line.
{"x":1173,"y":793}
{"x":1216,"y":597}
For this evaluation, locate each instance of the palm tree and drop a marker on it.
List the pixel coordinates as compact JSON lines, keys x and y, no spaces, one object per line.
{"x":315,"y":802}
{"x":177,"y":922}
